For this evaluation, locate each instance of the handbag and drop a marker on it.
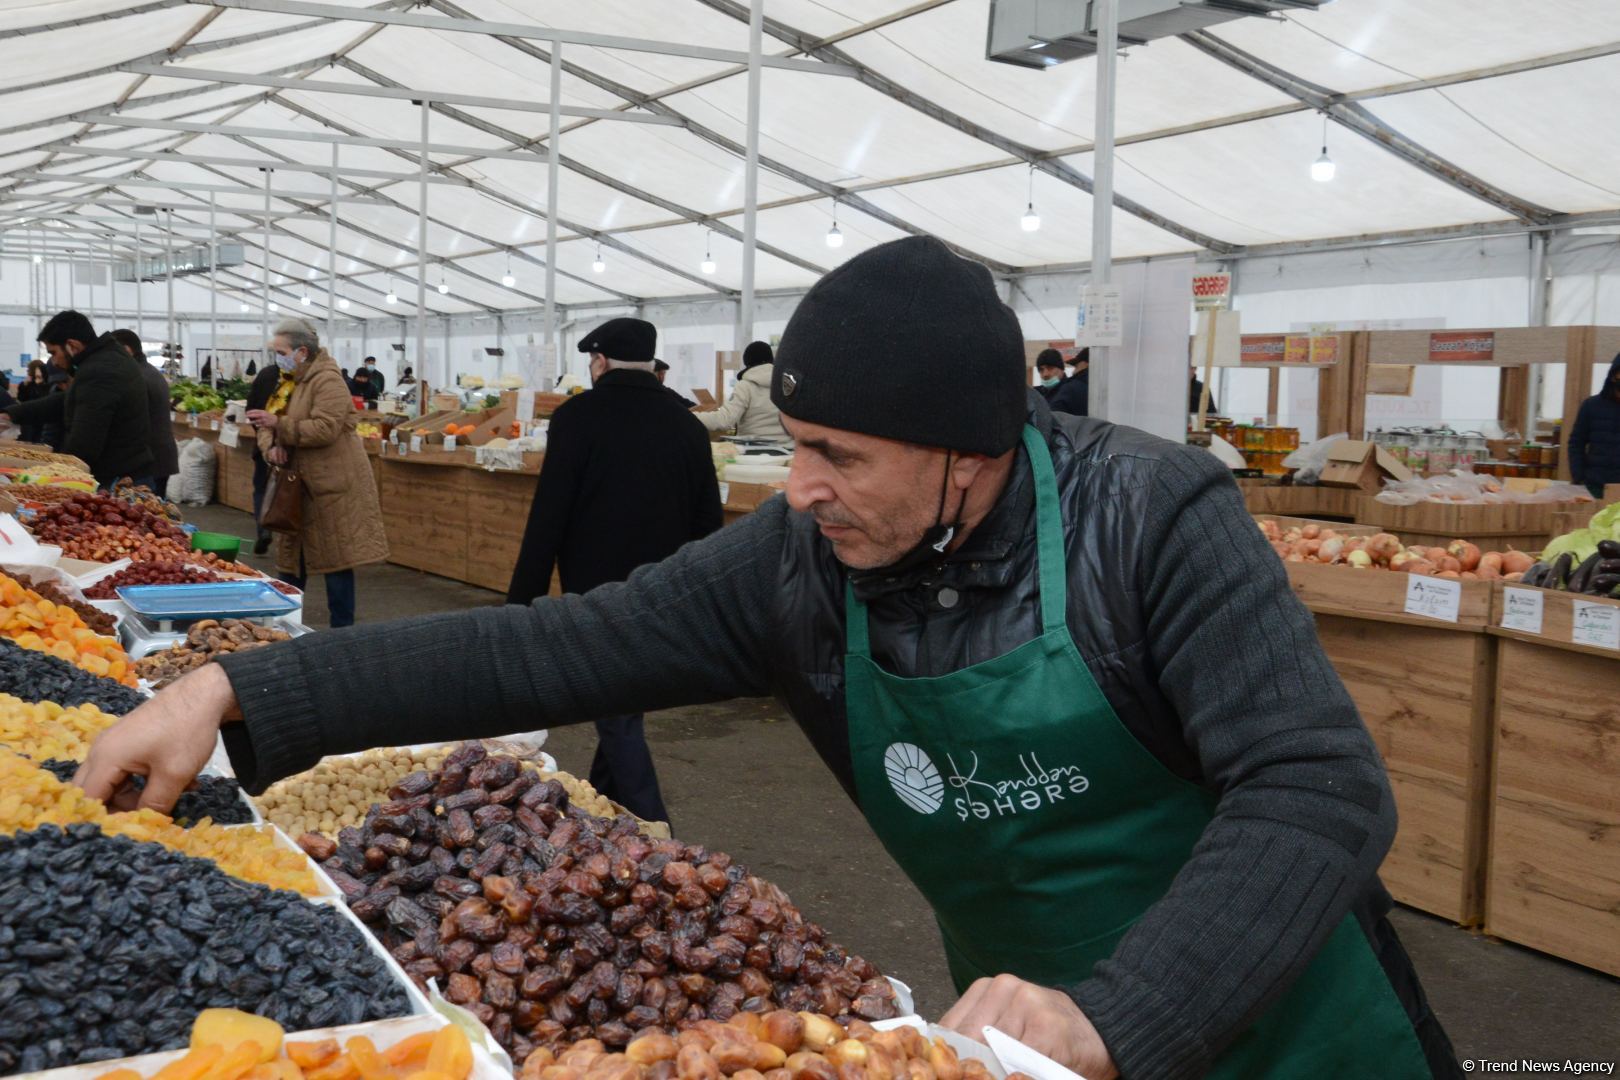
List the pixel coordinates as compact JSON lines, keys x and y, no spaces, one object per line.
{"x":283,"y":507}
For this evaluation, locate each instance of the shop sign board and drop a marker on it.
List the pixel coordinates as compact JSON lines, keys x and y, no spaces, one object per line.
{"x":1263,"y":348}
{"x":1325,"y":349}
{"x":1302,"y":350}
{"x":1211,"y":291}
{"x":1462,"y":347}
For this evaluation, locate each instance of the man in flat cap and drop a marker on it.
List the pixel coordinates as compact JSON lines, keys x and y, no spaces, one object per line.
{"x":628,"y":478}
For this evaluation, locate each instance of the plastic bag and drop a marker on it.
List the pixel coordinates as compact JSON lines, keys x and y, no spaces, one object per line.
{"x":193,"y":485}
{"x":1309,"y":461}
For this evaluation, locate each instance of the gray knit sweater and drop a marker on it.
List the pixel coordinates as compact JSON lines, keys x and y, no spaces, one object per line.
{"x":1304,"y":815}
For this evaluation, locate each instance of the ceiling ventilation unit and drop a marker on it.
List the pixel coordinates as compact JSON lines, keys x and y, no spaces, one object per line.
{"x":1041,"y":33}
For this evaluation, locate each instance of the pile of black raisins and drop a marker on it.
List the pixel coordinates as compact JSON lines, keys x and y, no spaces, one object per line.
{"x":37,"y":676}
{"x":216,"y":797}
{"x":110,"y":947}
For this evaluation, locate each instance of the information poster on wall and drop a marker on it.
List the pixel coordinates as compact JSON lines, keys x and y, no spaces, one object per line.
{"x":1101,"y":317}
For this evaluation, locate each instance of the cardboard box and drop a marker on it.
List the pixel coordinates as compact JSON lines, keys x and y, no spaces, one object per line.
{"x":1356,"y":463}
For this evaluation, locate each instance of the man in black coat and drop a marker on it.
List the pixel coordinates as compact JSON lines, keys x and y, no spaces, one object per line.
{"x":259,"y":393}
{"x":1594,"y":440}
{"x":1061,"y":394}
{"x":160,"y":432}
{"x":628,"y":479}
{"x":378,"y":382}
{"x":104,"y":412}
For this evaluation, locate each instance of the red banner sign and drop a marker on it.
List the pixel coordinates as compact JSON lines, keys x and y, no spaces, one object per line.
{"x":1300,"y":349}
{"x":1462,"y":347}
{"x":1262,"y":348}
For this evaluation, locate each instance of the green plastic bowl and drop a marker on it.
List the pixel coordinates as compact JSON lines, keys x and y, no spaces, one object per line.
{"x":226,"y":547}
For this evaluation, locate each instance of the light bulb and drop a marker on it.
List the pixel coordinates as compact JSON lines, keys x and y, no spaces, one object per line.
{"x":274,"y":306}
{"x":443,"y":288}
{"x":38,"y":259}
{"x":304,"y":300}
{"x":508,"y":280}
{"x":708,"y":266}
{"x":835,"y":239}
{"x":1031,"y":221}
{"x":599,"y":267}
{"x":244,"y":307}
{"x":391,"y":298}
{"x":343,"y":302}
{"x":1323,"y":169}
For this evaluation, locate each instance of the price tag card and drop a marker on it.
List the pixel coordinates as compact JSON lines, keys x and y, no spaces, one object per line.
{"x":230,"y":435}
{"x":725,"y":493}
{"x":213,"y":424}
{"x":1521,"y":610}
{"x":1595,"y":624}
{"x":1433,"y":598}
{"x":401,"y":448}
{"x":416,"y":444}
{"x":449,"y":443}
{"x":525,"y":405}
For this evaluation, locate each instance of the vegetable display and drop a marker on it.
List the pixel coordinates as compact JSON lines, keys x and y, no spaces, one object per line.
{"x":1596,"y":575}
{"x":192,"y":397}
{"x":113,"y":947}
{"x":551,"y":925}
{"x":1583,"y":543}
{"x":1459,"y":560}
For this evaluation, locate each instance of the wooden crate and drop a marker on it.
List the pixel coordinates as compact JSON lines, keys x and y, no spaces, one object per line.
{"x":1340,"y":527}
{"x":498,"y":502}
{"x":1425,"y":693}
{"x":1554,"y":859}
{"x":1306,"y":501}
{"x":1476,"y":522}
{"x":1528,"y":542}
{"x":1380,"y":596}
{"x":424,"y":510}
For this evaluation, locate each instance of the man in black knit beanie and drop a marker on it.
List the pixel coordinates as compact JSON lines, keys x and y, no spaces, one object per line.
{"x":1050,"y":658}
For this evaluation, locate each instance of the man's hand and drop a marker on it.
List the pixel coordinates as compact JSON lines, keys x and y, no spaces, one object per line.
{"x":276,"y":455}
{"x":167,"y":740}
{"x":261,"y":419}
{"x":1045,"y":1020}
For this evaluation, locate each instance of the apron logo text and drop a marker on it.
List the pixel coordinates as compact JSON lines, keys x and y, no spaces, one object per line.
{"x":1039,"y":786}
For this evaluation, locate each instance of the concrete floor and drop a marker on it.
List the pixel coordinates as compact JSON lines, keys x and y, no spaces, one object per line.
{"x":789,"y":821}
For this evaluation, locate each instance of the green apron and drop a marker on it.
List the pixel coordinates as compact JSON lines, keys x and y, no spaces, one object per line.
{"x":1040,"y":830}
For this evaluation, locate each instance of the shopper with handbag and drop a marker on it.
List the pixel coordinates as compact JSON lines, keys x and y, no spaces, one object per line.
{"x":321,"y":500}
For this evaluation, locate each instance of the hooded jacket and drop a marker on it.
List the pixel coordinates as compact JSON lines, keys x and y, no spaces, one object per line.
{"x":1594,"y":441}
{"x":104,"y":413}
{"x":749,"y":409}
{"x":1068,"y":396}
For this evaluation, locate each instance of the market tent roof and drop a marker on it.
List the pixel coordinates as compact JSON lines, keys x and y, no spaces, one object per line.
{"x":1449,"y":116}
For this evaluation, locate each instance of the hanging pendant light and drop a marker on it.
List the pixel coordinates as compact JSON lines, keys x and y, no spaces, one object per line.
{"x":444,"y":286}
{"x":1031,"y":221}
{"x":391,"y":297}
{"x":598,"y":266}
{"x":1323,"y":169}
{"x":244,"y":306}
{"x":304,"y":300}
{"x":835,"y":239}
{"x":274,"y":306}
{"x":707,"y":266}
{"x":507,"y":279}
{"x":343,"y":302}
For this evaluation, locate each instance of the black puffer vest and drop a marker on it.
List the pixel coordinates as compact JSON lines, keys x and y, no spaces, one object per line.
{"x":983,"y":600}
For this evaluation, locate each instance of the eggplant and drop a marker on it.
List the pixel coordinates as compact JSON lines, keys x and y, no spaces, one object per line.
{"x":1609,"y":549}
{"x":1534,"y":575}
{"x":1608,"y":566}
{"x":1583,"y":573}
{"x":1558,"y":576}
{"x":1602,"y":584}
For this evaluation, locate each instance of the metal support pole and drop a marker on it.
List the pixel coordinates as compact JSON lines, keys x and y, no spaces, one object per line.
{"x":331,"y":251}
{"x":112,"y":282}
{"x":140,"y":293}
{"x":553,"y":348}
{"x":73,"y":290}
{"x":213,"y":291}
{"x":756,"y":29}
{"x":421,"y":250}
{"x":168,"y":260}
{"x":1537,"y":316}
{"x":264,"y":298}
{"x":1102,"y":183}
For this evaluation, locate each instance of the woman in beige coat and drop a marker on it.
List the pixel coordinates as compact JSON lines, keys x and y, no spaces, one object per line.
{"x":312,"y":429}
{"x":750,"y":410}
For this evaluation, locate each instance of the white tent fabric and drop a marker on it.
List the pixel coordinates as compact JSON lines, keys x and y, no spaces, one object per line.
{"x":1463,"y":116}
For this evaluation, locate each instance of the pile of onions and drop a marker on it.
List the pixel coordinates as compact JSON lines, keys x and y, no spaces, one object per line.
{"x":1459,"y":560}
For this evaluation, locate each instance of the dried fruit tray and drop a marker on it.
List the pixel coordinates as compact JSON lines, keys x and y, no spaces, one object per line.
{"x":382,"y":1033}
{"x":419,"y":1001}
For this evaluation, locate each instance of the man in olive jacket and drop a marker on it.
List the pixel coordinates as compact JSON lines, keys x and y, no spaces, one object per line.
{"x":105,"y":408}
{"x":628,"y":479}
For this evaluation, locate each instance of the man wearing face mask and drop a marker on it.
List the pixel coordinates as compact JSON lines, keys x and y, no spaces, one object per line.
{"x":104,"y":411}
{"x":1050,"y":658}
{"x":1061,"y":394}
{"x":1594,"y":440}
{"x":374,"y":377}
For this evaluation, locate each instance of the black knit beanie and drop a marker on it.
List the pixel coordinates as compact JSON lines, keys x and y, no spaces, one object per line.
{"x":906,"y":341}
{"x":758,"y":352}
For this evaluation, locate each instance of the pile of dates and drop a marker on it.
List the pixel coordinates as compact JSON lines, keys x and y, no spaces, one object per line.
{"x":554,"y":926}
